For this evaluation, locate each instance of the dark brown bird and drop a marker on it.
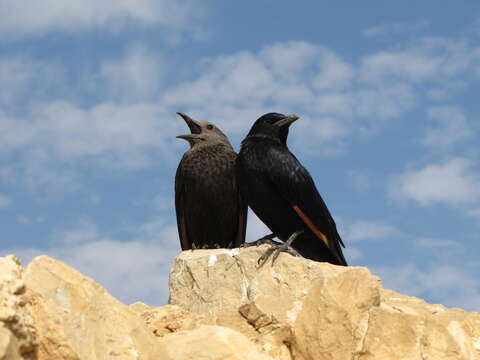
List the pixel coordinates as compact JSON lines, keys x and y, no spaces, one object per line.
{"x":210,"y":210}
{"x":283,"y":194}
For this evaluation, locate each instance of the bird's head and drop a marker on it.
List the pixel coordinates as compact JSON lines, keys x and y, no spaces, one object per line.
{"x":202,"y":132}
{"x":273,"y":125}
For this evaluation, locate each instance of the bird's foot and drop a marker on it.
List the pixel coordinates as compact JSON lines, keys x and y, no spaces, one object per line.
{"x":276,"y":249}
{"x":267,"y":239}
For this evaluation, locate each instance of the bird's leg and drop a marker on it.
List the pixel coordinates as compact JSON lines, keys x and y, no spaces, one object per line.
{"x":276,"y":249}
{"x":267,"y":239}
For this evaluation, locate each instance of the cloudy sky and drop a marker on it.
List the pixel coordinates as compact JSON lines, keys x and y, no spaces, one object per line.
{"x":387,"y":93}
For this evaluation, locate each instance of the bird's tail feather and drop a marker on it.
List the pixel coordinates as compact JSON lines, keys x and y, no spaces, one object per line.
{"x":311,"y":248}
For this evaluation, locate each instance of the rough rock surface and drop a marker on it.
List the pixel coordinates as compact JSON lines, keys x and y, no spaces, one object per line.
{"x":319,"y":311}
{"x":18,"y":338}
{"x":77,"y":319}
{"x":223,"y":307}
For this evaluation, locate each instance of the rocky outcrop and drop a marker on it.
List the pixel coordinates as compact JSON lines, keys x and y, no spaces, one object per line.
{"x":18,"y":336}
{"x":323,"y":311}
{"x":77,"y":319}
{"x":223,"y":307}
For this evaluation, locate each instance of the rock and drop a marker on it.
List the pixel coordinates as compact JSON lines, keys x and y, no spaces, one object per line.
{"x":212,"y":281}
{"x":319,"y":311}
{"x":334,"y":316}
{"x":223,"y":307}
{"x":415,"y":327}
{"x":164,"y":320}
{"x":211,"y":343}
{"x":77,"y":319}
{"x":18,"y":337}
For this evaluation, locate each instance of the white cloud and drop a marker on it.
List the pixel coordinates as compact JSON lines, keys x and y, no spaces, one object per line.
{"x":234,"y":90}
{"x":436,"y":243}
{"x":134,"y":77}
{"x":30,"y":17}
{"x":124,"y":126}
{"x":450,"y":127}
{"x":394,"y":29}
{"x":52,"y":140}
{"x":452,"y":182}
{"x":361,"y":181}
{"x":352,"y":254}
{"x":162,"y":202}
{"x":312,"y":131}
{"x":24,"y":78}
{"x":333,"y":73}
{"x":23,"y":220}
{"x":474,"y":213}
{"x":55,"y":135}
{"x":384,"y":102}
{"x":101,"y":129}
{"x":369,"y":230}
{"x":86,"y":231}
{"x":341,"y":99}
{"x":134,"y":119}
{"x":298,"y":77}
{"x":27,"y":220}
{"x":406,"y":64}
{"x":135,"y":270}
{"x":432,"y":60}
{"x":448,"y":284}
{"x":5,"y":201}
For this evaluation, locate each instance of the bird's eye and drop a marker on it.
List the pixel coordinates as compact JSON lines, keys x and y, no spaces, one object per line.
{"x":209,"y":126}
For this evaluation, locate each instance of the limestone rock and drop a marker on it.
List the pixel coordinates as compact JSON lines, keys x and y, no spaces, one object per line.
{"x":210,"y":343}
{"x":18,"y":338}
{"x":77,"y":319}
{"x":211,"y":281}
{"x":269,"y":337}
{"x":164,"y":320}
{"x":301,"y":309}
{"x":223,"y":307}
{"x":405,"y":327}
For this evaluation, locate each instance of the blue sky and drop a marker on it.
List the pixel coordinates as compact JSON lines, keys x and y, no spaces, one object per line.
{"x":387,"y":93}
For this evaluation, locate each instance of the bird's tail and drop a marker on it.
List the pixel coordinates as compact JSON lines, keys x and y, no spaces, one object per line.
{"x":311,"y":248}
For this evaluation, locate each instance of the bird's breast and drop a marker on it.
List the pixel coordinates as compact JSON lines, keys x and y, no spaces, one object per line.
{"x":208,"y":164}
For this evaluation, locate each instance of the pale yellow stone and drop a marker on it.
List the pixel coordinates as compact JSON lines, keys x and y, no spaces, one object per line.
{"x":335,"y":315}
{"x":164,"y":320}
{"x":18,"y":338}
{"x":210,"y":281}
{"x":211,"y":343}
{"x":77,"y":318}
{"x":224,"y":307}
{"x":299,"y":309}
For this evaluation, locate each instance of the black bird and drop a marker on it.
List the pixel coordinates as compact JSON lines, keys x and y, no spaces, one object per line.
{"x":283,"y":195}
{"x":210,"y":210}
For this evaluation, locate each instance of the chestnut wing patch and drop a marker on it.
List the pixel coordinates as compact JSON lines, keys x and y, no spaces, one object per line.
{"x":311,"y":226}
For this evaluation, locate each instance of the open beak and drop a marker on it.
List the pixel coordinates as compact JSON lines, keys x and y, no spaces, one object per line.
{"x":188,"y":137}
{"x":287,"y":120}
{"x":192,"y":124}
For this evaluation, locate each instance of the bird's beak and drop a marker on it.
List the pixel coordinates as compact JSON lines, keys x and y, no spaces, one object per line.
{"x":188,"y":137}
{"x":287,"y":120}
{"x":192,"y":124}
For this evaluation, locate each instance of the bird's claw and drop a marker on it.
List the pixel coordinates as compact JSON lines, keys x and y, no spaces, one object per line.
{"x":274,"y":250}
{"x":278,"y":248}
{"x":267,"y":239}
{"x":264,"y":258}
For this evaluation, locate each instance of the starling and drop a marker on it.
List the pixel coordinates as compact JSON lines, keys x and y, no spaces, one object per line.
{"x":283,"y":195}
{"x":210,"y":210}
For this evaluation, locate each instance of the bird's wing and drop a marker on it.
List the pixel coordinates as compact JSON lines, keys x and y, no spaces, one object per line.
{"x":296,"y":186}
{"x":185,"y":242}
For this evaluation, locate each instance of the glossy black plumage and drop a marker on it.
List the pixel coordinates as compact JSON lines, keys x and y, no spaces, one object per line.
{"x":282,"y":193}
{"x":210,"y":211}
